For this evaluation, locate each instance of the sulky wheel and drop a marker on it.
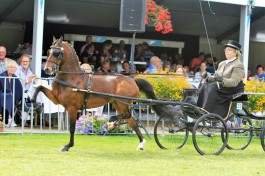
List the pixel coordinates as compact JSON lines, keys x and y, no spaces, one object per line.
{"x":240,"y":133}
{"x":206,"y":135}
{"x":262,"y":137}
{"x":168,"y":134}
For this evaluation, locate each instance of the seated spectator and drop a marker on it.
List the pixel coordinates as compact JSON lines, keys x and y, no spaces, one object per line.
{"x":105,"y":68}
{"x":211,"y":63}
{"x":167,"y":68}
{"x":249,"y":76}
{"x":164,"y":59}
{"x":104,"y":53}
{"x":126,"y":68}
{"x":3,"y":60}
{"x":88,"y":56}
{"x":23,"y":71}
{"x":179,"y":63}
{"x":155,"y":64}
{"x":260,"y":75}
{"x":196,"y":62}
{"x":180,"y":71}
{"x":187,"y":71}
{"x":6,"y":90}
{"x":86,"y":67}
{"x":202,"y":73}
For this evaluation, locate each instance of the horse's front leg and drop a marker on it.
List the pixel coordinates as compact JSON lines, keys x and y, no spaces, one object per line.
{"x":47,"y":92}
{"x":72,"y":113}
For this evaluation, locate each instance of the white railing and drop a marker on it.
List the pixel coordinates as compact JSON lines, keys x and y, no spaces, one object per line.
{"x":48,"y":112}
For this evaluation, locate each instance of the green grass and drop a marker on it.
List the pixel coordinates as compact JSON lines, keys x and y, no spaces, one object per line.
{"x":38,"y":154}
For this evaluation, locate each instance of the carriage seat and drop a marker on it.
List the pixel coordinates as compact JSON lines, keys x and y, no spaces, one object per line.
{"x":240,"y":97}
{"x":190,"y":96}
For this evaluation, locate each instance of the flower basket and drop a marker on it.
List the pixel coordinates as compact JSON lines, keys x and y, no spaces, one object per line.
{"x":88,"y":124}
{"x":167,"y":86}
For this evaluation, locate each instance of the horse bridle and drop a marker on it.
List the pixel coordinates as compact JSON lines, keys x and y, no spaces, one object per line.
{"x":58,"y":53}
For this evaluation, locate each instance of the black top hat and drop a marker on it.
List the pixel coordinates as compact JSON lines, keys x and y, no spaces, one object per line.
{"x":233,"y":44}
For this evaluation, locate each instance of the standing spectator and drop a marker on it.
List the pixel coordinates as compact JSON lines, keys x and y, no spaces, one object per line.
{"x":23,"y":71}
{"x":155,"y":64}
{"x":88,"y":56}
{"x":196,"y":62}
{"x":147,"y":54}
{"x":120,"y":53}
{"x":3,"y":60}
{"x":138,"y":57}
{"x":23,"y":49}
{"x":260,"y":73}
{"x":88,"y":41}
{"x":104,"y":53}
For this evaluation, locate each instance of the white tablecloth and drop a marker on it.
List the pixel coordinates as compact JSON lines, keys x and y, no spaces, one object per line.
{"x":49,"y":106}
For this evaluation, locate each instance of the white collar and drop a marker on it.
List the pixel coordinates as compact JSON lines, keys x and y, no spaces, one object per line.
{"x":231,"y":60}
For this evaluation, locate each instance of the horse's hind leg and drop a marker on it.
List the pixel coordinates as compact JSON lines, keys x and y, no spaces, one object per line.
{"x":124,"y":110}
{"x":134,"y":125}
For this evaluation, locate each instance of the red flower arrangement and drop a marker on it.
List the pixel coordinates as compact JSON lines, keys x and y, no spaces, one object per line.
{"x":159,"y":16}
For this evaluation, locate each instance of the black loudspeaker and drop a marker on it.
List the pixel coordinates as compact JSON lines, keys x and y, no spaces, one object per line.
{"x":132,"y":16}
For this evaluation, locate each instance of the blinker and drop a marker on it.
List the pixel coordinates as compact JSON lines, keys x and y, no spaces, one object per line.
{"x":57,"y":53}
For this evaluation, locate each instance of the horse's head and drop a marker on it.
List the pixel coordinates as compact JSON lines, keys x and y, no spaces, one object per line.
{"x":55,"y":56}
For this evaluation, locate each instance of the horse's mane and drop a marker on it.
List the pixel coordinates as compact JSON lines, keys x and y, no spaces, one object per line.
{"x":55,"y":42}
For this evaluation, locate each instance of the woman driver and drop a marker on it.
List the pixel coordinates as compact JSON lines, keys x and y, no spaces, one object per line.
{"x":215,"y":96}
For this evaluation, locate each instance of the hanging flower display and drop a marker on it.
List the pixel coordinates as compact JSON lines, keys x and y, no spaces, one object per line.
{"x":158,"y":16}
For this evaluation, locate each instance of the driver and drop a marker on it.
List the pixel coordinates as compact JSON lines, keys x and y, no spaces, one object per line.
{"x":216,"y":94}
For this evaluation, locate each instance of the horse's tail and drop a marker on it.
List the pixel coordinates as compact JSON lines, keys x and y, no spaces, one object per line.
{"x":145,"y":87}
{"x":161,"y":110}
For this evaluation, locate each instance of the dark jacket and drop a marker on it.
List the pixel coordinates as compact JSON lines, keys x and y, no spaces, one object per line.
{"x":9,"y":91}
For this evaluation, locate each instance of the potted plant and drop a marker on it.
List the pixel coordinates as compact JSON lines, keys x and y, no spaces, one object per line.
{"x":1,"y":124}
{"x":159,"y":17}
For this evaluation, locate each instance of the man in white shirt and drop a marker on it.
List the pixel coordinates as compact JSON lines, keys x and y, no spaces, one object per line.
{"x":88,"y":41}
{"x":23,"y":71}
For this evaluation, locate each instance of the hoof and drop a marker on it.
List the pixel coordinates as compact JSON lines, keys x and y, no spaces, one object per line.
{"x":139,"y":148}
{"x":64,"y":149}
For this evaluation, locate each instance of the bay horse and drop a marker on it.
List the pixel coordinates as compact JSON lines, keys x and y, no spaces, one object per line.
{"x":63,"y":61}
